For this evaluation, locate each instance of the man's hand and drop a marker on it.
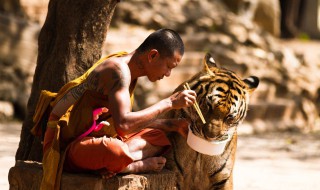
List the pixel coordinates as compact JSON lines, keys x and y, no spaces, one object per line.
{"x":183,"y":99}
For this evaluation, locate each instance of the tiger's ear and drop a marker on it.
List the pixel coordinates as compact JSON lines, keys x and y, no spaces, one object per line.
{"x":209,"y":64}
{"x":210,"y":61}
{"x":252,"y":83}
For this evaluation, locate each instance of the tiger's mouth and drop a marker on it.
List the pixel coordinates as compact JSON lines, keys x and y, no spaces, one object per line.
{"x":216,"y":135}
{"x":211,"y":132}
{"x":216,"y":138}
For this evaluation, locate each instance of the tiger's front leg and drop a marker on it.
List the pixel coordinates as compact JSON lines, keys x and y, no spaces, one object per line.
{"x":222,"y":177}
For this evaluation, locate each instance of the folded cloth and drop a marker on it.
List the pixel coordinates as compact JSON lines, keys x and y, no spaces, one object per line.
{"x":112,"y":154}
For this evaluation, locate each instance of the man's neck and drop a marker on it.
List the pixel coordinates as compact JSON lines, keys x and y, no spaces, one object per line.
{"x":136,"y":66}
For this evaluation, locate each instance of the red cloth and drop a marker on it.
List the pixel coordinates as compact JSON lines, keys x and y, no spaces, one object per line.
{"x":91,"y":153}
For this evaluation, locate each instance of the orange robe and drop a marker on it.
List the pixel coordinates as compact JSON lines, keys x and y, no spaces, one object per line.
{"x":97,"y":151}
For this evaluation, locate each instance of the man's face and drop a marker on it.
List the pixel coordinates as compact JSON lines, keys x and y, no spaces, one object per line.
{"x":162,"y":66}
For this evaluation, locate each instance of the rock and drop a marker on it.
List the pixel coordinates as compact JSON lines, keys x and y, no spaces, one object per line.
{"x":238,"y":32}
{"x":311,"y":115}
{"x":27,"y":175}
{"x":18,"y":54}
{"x":257,"y":40}
{"x":265,"y":13}
{"x":267,"y":16}
{"x":6,"y":111}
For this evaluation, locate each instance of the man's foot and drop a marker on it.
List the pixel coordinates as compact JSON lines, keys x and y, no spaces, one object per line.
{"x":153,"y":164}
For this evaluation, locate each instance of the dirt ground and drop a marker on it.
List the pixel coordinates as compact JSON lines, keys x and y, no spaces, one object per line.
{"x":278,"y":161}
{"x":273,"y":161}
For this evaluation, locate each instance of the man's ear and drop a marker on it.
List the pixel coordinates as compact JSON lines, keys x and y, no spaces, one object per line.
{"x":153,"y":53}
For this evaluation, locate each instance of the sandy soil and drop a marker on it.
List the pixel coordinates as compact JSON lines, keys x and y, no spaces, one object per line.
{"x":10,"y":136}
{"x":278,"y":161}
{"x":267,"y":161}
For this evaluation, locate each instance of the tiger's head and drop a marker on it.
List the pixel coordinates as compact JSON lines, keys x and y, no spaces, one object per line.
{"x":222,"y":97}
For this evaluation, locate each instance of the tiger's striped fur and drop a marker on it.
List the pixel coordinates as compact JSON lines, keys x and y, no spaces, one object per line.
{"x":223,"y":99}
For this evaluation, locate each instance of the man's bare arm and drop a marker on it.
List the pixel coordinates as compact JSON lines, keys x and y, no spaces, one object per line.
{"x":75,"y":93}
{"x":172,"y":125}
{"x":126,"y":121}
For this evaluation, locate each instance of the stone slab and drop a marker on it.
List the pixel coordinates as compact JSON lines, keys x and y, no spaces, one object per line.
{"x":27,"y":175}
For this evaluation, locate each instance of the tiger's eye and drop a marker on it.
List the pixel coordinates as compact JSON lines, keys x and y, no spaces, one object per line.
{"x":230,"y":119}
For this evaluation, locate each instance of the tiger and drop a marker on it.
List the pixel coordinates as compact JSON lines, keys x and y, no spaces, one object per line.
{"x":223,"y":100}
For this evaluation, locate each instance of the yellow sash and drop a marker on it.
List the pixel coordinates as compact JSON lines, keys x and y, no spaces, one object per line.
{"x":73,"y":123}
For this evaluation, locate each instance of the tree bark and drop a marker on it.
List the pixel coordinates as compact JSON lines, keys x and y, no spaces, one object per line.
{"x":70,"y":41}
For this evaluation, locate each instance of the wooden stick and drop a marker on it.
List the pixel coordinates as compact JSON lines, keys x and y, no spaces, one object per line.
{"x":196,"y":103}
{"x":196,"y":106}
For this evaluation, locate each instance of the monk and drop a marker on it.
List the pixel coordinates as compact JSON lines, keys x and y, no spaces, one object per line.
{"x":134,"y":142}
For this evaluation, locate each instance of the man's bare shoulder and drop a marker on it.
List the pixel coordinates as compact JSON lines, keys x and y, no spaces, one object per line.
{"x":111,"y":74}
{"x":113,"y":64}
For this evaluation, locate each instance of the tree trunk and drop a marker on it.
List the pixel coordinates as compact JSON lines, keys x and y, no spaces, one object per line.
{"x":70,"y":41}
